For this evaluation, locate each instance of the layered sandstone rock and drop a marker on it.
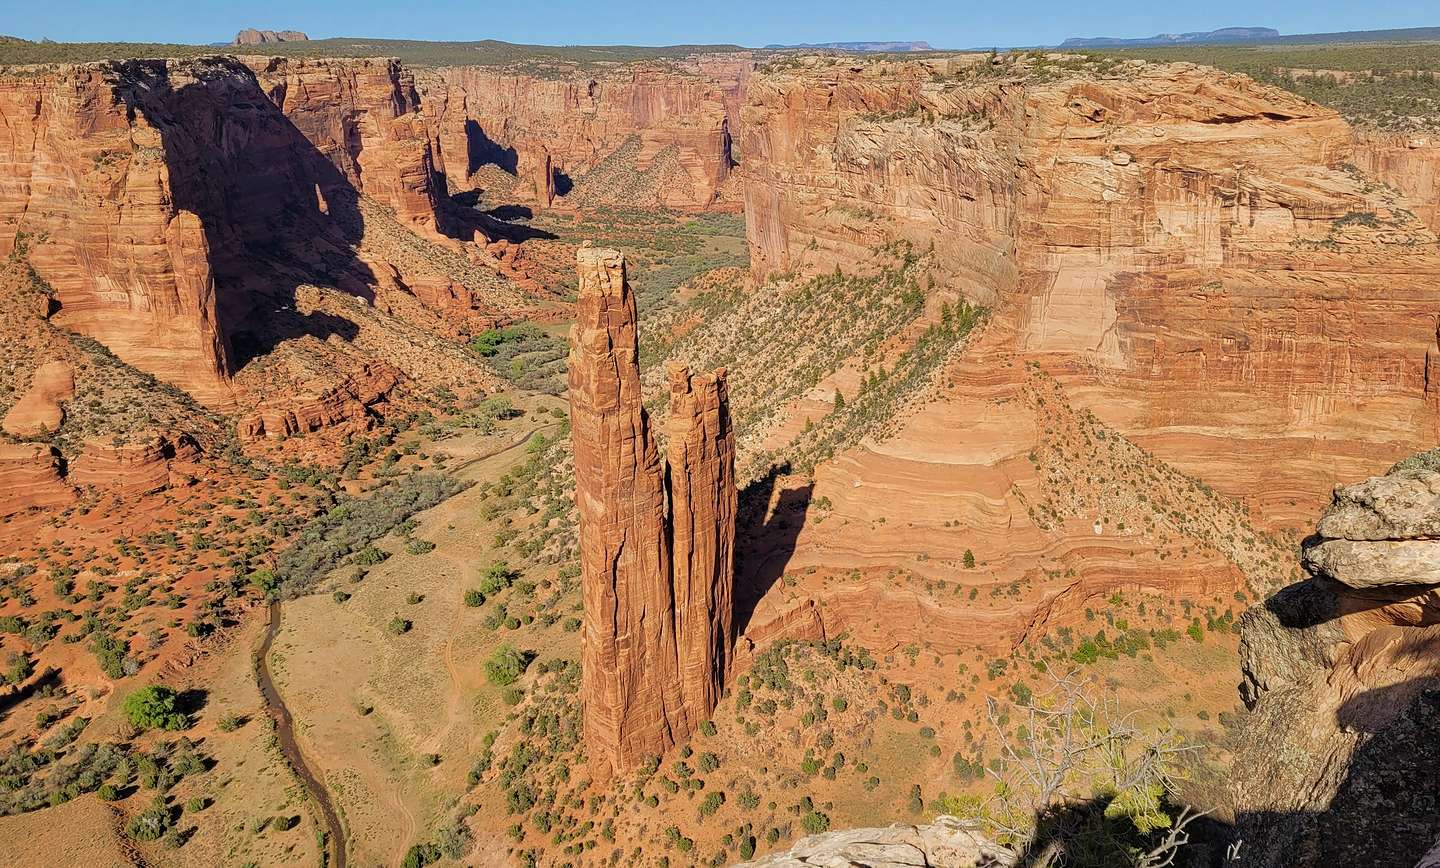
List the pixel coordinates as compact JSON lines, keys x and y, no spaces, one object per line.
{"x":87,"y":189}
{"x":1186,"y":254}
{"x":31,"y":477}
{"x":132,"y":468}
{"x":345,"y":403}
{"x":1410,"y":162}
{"x":1341,"y":671}
{"x":656,"y":585}
{"x":638,"y":135}
{"x":39,"y":410}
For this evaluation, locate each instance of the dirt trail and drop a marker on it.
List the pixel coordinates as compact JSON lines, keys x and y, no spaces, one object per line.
{"x":285,"y":731}
{"x":455,"y":699}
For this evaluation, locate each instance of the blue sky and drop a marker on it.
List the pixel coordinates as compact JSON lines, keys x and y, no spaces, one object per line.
{"x":945,"y":23}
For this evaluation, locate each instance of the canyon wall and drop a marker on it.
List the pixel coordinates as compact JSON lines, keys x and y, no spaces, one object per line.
{"x":149,"y":193}
{"x":640,"y":134}
{"x":656,"y":584}
{"x":1203,"y":315}
{"x":1410,"y":163}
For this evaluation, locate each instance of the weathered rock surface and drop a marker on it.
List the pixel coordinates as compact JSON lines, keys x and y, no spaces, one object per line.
{"x":703,"y":499}
{"x":31,"y":477}
{"x":945,"y":843}
{"x":251,"y":36}
{"x":1334,"y":764}
{"x":654,"y":644}
{"x":1397,"y":506}
{"x":1408,"y":162}
{"x":1266,"y":330}
{"x":132,"y":468}
{"x":637,"y":135}
{"x":344,"y":403}
{"x":39,"y":410}
{"x":364,"y":116}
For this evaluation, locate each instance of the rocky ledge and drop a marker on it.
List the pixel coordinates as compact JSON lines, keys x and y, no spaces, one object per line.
{"x":1337,"y":763}
{"x":946,"y":842}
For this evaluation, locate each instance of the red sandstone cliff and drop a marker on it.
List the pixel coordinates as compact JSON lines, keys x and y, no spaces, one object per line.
{"x":151,"y":194}
{"x":639,"y":135}
{"x":1184,"y":254}
{"x":1192,"y":241}
{"x":656,"y":587}
{"x":365,"y":117}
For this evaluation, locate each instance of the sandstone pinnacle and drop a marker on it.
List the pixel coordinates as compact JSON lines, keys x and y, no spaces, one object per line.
{"x":657,"y":580}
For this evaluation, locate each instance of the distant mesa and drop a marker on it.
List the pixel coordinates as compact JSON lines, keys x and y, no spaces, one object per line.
{"x":1224,"y":34}
{"x":863,"y":47}
{"x":268,"y":37}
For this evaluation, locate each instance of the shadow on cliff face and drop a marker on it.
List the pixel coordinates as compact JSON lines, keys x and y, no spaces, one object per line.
{"x":765,"y":543}
{"x":277,"y":212}
{"x":481,"y":150}
{"x":503,"y":221}
{"x":1385,"y":812}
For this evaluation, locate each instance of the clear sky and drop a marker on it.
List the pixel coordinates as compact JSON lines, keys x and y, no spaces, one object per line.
{"x":944,"y":23}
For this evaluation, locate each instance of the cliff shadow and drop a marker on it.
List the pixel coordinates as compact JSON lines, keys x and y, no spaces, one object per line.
{"x":277,"y":212}
{"x":506,"y":221}
{"x":766,"y":539}
{"x":481,"y":150}
{"x":563,"y":182}
{"x":1385,"y":812}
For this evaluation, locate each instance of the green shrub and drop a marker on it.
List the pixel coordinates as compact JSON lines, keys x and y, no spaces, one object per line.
{"x":155,"y":707}
{"x":506,"y":665}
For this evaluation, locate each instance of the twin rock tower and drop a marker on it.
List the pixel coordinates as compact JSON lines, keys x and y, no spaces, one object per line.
{"x":657,"y":537}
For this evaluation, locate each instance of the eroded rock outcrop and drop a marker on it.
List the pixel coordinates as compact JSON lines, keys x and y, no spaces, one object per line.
{"x":656,"y":583}
{"x":135,"y":467}
{"x":31,"y":476}
{"x":945,"y":842}
{"x":344,"y":403}
{"x":1342,"y":672}
{"x":39,"y":410}
{"x":251,"y":36}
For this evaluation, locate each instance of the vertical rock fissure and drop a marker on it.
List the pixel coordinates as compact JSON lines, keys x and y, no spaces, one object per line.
{"x":656,"y":537}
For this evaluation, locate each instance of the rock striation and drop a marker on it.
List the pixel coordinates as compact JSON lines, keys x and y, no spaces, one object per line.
{"x":344,"y":403}
{"x":39,"y":410}
{"x":1189,"y":256}
{"x":31,"y":477}
{"x":657,"y":577}
{"x":1334,"y":763}
{"x":133,"y":468}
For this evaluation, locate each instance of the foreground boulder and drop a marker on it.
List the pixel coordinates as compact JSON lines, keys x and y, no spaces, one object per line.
{"x":945,"y":842}
{"x":1338,"y":763}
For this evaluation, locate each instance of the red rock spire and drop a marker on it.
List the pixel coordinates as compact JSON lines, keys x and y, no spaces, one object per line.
{"x":657,"y":636}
